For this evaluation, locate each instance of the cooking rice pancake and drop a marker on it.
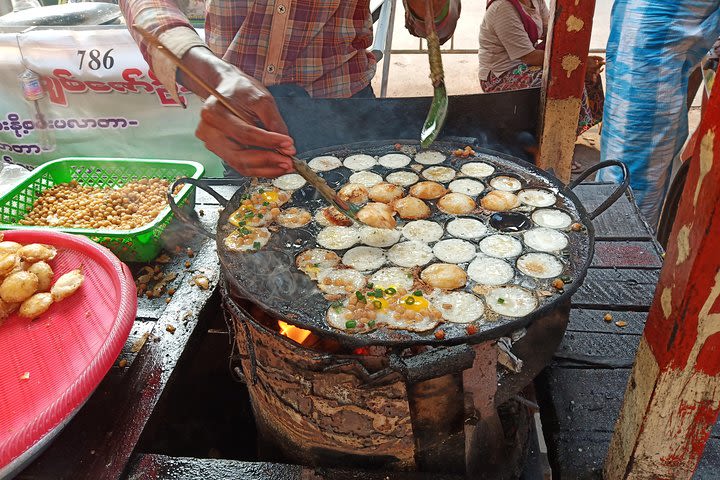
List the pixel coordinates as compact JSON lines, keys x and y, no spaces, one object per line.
{"x":395,"y":277}
{"x":338,"y":238}
{"x":340,"y":281}
{"x":320,"y":218}
{"x":290,"y":181}
{"x":359,"y":162}
{"x":467,"y":186}
{"x":490,"y":271}
{"x":458,"y":307}
{"x":365,"y":178}
{"x":536,"y":197}
{"x":540,"y":265}
{"x":294,"y":217}
{"x":423,"y":325}
{"x":324,"y":163}
{"x":511,"y":301}
{"x":422,"y":231}
{"x":545,"y":240}
{"x":364,"y":259}
{"x":439,"y":174}
{"x":379,"y":237}
{"x":385,"y":192}
{"x":499,"y":201}
{"x":505,"y":183}
{"x":500,"y":246}
{"x":315,"y":260}
{"x":427,"y":190}
{"x":444,"y":275}
{"x":456,"y":204}
{"x":248,"y":216}
{"x":410,"y":254}
{"x":454,"y":250}
{"x":411,"y":208}
{"x":394,"y":160}
{"x":466,"y":228}
{"x":430,"y":157}
{"x":402,"y":178}
{"x":477,"y":169}
{"x":328,"y":216}
{"x":247,"y":239}
{"x":551,"y":218}
{"x":354,"y":193}
{"x":378,"y":215}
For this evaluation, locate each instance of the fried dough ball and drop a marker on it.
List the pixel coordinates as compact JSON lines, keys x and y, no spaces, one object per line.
{"x":18,"y":287}
{"x":385,"y":192}
{"x":36,"y":252}
{"x":378,"y":215}
{"x":6,"y":309}
{"x":36,"y":305}
{"x":428,"y":190}
{"x":7,"y":263}
{"x":354,"y":193}
{"x":500,"y":201}
{"x":444,"y":275}
{"x":335,"y":217}
{"x":456,"y":204}
{"x":9,"y":247}
{"x":411,"y":208}
{"x":44,"y":273}
{"x":67,"y":284}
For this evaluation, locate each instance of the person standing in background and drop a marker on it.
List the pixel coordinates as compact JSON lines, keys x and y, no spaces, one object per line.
{"x":653,"y":47}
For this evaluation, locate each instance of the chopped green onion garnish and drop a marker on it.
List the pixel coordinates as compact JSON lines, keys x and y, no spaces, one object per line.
{"x":390,"y":291}
{"x":350,"y":324}
{"x":256,"y":245}
{"x":370,"y":285}
{"x":417,"y":293}
{"x":371,"y":323}
{"x":360,"y":297}
{"x":243,"y":223}
{"x":377,"y":304}
{"x":249,"y":214}
{"x":316,"y":265}
{"x":262,"y":190}
{"x":501,"y":300}
{"x":260,"y":215}
{"x":409,"y":300}
{"x":378,"y":293}
{"x":265,"y":204}
{"x":244,"y":231}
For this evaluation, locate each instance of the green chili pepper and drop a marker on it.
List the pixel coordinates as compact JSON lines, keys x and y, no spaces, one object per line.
{"x":370,"y":285}
{"x":390,"y":291}
{"x":409,"y":301}
{"x":350,"y":324}
{"x":377,"y":304}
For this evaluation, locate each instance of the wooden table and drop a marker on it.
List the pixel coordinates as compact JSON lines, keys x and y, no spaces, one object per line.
{"x":580,"y":392}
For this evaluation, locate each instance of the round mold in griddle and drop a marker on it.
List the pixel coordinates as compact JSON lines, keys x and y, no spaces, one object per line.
{"x":270,"y":279}
{"x":509,"y":222}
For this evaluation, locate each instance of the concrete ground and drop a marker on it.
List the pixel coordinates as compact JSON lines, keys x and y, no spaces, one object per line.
{"x":408,"y":73}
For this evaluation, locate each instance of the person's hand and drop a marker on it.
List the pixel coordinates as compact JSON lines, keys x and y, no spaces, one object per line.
{"x":248,"y":145}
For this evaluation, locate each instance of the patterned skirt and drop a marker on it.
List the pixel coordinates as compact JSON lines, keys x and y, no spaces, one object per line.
{"x":523,"y":76}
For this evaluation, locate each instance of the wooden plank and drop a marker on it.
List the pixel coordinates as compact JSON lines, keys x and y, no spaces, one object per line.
{"x":150,"y":467}
{"x":621,"y":221}
{"x":616,"y":289}
{"x":626,"y":253}
{"x":98,"y":443}
{"x":582,"y":320}
{"x":602,"y":350}
{"x":674,"y":391}
{"x":563,"y":82}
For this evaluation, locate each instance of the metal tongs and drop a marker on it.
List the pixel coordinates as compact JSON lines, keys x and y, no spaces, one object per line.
{"x":346,"y":208}
{"x":438,"y":109}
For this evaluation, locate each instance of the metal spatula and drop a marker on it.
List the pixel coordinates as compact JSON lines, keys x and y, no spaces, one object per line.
{"x":346,"y":208}
{"x":438,"y":109}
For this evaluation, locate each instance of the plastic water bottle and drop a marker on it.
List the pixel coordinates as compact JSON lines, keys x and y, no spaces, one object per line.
{"x":11,"y":176}
{"x":34,"y":94}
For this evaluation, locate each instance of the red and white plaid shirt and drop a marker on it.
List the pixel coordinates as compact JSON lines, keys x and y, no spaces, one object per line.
{"x":321,"y":45}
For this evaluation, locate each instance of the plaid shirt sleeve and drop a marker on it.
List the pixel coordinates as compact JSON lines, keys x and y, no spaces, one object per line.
{"x":165,"y":20}
{"x":445,"y":27}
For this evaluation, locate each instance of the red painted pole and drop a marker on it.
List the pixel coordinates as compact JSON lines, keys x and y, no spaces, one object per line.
{"x":673,"y":395}
{"x":563,"y":81}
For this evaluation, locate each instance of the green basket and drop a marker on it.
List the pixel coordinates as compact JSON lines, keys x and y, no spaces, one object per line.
{"x":138,"y":245}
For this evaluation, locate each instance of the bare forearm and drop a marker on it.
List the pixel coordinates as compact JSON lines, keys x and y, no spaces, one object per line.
{"x":535,"y":58}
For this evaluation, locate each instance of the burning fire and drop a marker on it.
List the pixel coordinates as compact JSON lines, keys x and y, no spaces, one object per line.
{"x":292,"y":332}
